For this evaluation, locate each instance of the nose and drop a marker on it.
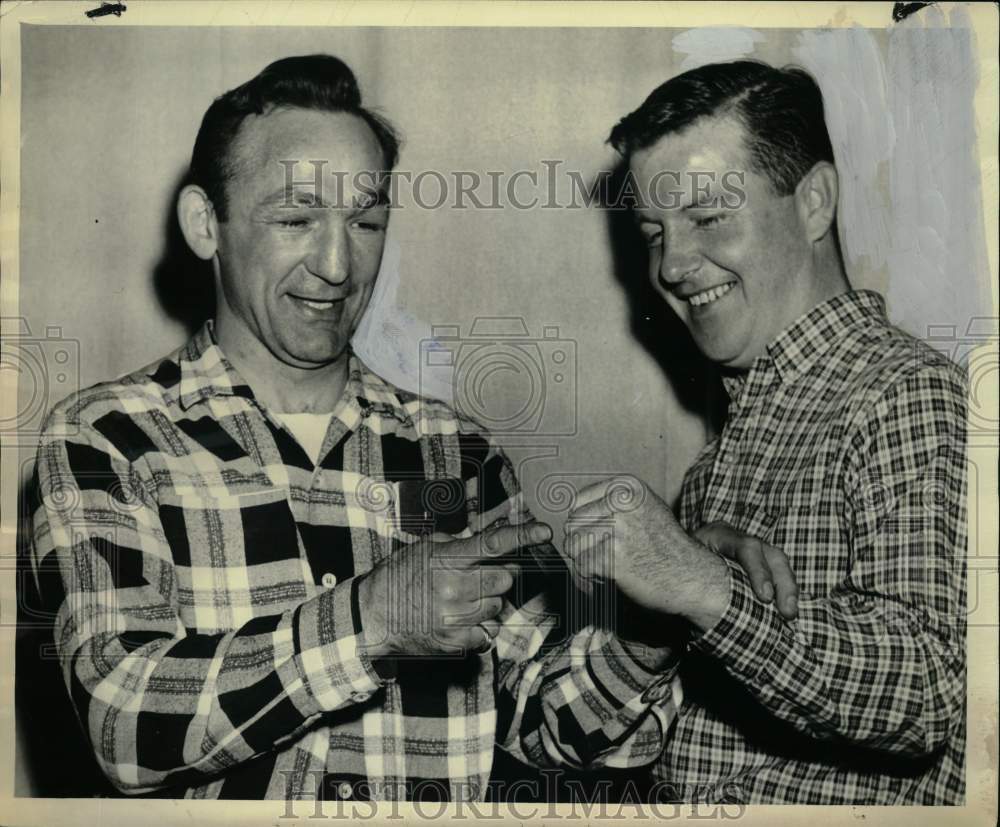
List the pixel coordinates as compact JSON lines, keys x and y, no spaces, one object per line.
{"x":330,"y":255}
{"x":681,"y":258}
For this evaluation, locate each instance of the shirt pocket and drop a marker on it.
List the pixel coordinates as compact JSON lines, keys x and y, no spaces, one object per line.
{"x":237,"y":556}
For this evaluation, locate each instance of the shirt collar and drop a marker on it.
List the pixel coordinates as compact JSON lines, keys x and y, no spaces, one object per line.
{"x":798,"y":347}
{"x":206,"y":372}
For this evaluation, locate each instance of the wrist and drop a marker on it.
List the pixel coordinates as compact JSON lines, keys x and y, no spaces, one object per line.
{"x":373,"y":612}
{"x":710,"y":589}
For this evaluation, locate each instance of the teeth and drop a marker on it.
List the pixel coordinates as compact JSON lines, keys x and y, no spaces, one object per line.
{"x":709,"y":296}
{"x":318,"y":305}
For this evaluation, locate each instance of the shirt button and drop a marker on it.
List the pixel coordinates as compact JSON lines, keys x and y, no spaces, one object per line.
{"x":657,"y":692}
{"x":344,"y":790}
{"x":358,"y":697}
{"x":329,"y":580}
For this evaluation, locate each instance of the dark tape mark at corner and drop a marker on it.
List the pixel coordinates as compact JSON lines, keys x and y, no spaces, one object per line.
{"x":107,"y":8}
{"x":900,"y":11}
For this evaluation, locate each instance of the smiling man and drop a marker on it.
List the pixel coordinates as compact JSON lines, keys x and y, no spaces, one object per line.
{"x":844,"y":447}
{"x":275,"y":575}
{"x":246,"y":605}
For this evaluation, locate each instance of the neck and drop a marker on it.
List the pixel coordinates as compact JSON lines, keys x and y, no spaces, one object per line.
{"x":281,"y":387}
{"x":830,"y":276}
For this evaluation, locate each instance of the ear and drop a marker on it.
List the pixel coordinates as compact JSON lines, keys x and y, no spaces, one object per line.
{"x":816,"y":199}
{"x":196,"y":216}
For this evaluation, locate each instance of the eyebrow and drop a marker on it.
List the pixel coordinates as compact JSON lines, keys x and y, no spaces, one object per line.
{"x":296,"y":197}
{"x":292,"y":195}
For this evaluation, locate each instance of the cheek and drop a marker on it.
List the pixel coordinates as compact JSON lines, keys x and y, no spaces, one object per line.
{"x":366,"y":256}
{"x":266,"y":261}
{"x":727,"y":246}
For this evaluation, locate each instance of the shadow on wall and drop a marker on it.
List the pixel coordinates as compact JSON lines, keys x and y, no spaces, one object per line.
{"x":698,"y":388}
{"x":184,"y":283}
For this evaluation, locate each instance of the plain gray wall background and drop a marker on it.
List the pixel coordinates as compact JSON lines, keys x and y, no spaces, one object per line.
{"x":109,"y":117}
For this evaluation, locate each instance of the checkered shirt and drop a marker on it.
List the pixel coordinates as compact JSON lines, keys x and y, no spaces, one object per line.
{"x":845,"y":447}
{"x":204,"y":578}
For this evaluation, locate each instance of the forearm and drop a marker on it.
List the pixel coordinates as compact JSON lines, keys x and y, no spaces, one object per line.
{"x":160,"y":706}
{"x":866,"y":669}
{"x":583,"y":699}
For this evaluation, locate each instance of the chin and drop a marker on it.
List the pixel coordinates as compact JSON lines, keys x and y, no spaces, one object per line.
{"x":725,"y":352}
{"x":715,"y":351}
{"x":316,"y":357}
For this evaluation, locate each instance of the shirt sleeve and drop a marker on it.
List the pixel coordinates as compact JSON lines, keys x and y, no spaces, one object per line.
{"x":581,"y":698}
{"x":880,"y":661}
{"x":570,"y":691}
{"x":161,"y":704}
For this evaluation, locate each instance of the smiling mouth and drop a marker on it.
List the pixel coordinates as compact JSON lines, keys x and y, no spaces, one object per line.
{"x":711,"y":295}
{"x":316,"y":304}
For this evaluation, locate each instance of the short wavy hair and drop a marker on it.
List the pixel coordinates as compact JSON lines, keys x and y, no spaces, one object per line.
{"x":781,"y":111}
{"x":319,"y":81}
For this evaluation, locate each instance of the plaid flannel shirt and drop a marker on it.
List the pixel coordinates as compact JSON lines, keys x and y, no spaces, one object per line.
{"x":204,"y":575}
{"x":845,"y":447}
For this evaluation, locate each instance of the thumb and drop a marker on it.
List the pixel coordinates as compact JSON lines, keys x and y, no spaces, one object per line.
{"x":440,"y":537}
{"x":508,"y":538}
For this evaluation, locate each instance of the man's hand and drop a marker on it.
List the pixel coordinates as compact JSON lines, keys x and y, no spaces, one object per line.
{"x":766,"y":566}
{"x":436,"y":596}
{"x":622,"y":532}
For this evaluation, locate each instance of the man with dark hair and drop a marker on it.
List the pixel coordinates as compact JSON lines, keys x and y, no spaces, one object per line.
{"x":844,"y":447}
{"x":318,"y":82}
{"x":276,"y":575}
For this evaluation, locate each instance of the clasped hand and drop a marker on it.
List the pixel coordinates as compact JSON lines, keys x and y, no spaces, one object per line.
{"x":621,"y":532}
{"x":441,"y":595}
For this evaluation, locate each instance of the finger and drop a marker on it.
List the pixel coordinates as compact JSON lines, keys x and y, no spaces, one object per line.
{"x":592,"y":493}
{"x":492,"y":627}
{"x":469,"y":614}
{"x":478,"y":639}
{"x":473,"y":584}
{"x":580,"y":540}
{"x":450,"y":554}
{"x":494,"y":581}
{"x":440,"y":537}
{"x":508,"y":538}
{"x":621,"y":493}
{"x":749,"y":553}
{"x":488,"y":609}
{"x":473,"y":637}
{"x":591,"y":563}
{"x":714,"y":534}
{"x":595,"y":510}
{"x":785,"y":587}
{"x":483,"y":581}
{"x":569,"y":553}
{"x":595,"y":564}
{"x":581,"y":583}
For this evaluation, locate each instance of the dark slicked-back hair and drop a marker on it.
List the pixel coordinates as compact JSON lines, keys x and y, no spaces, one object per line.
{"x":320,"y":82}
{"x":781,"y":111}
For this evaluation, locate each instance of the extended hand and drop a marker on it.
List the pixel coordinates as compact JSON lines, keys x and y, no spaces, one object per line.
{"x":766,"y":566}
{"x":436,"y":596}
{"x":622,"y":532}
